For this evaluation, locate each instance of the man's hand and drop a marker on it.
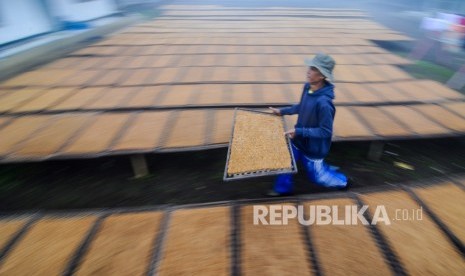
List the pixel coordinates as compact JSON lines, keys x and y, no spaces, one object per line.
{"x":275,"y":111}
{"x":290,"y":133}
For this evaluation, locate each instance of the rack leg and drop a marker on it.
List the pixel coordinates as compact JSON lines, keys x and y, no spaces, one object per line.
{"x":376,"y":150}
{"x":139,"y":165}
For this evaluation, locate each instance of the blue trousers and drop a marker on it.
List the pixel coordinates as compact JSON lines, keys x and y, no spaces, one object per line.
{"x":317,"y":171}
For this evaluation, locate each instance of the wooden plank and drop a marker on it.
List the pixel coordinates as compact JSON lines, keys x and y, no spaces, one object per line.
{"x":47,"y":247}
{"x":193,"y":60}
{"x":136,"y":62}
{"x":175,"y":60}
{"x":80,"y":98}
{"x":294,"y":91}
{"x":144,"y":97}
{"x":49,"y":139}
{"x":272,"y":74}
{"x":164,"y":75}
{"x":414,"y":120}
{"x":19,"y":130}
{"x":272,"y":249}
{"x":380,"y":123}
{"x":138,"y":77}
{"x":444,"y":200}
{"x":420,"y":245}
{"x":197,"y":243}
{"x":158,"y":61}
{"x":284,"y":60}
{"x":53,"y":77}
{"x":23,"y":79}
{"x":176,"y":96}
{"x":341,"y":59}
{"x":443,"y":116}
{"x":189,"y":129}
{"x":416,"y":92}
{"x":383,"y":59}
{"x":79,"y":78}
{"x":458,"y":107}
{"x":231,"y":59}
{"x":390,"y":93}
{"x":344,"y":73}
{"x":244,"y":94}
{"x":392,"y":72}
{"x":123,"y":245}
{"x":440,"y":89}
{"x":346,"y":125}
{"x":46,"y":99}
{"x":111,"y":77}
{"x":209,"y":60}
{"x":111,"y":50}
{"x":370,"y":59}
{"x":222,"y":126}
{"x":209,"y":95}
{"x":345,"y":249}
{"x":5,"y":91}
{"x":98,"y":136}
{"x":246,"y":74}
{"x":9,"y":228}
{"x":342,"y":94}
{"x":88,"y":63}
{"x":274,"y":93}
{"x":219,"y":74}
{"x":256,"y":13}
{"x":295,"y":74}
{"x":367,"y":74}
{"x":252,"y":49}
{"x":16,"y":98}
{"x":145,"y":132}
{"x":4,"y":120}
{"x":112,"y":98}
{"x":395,"y":60}
{"x":361,"y":93}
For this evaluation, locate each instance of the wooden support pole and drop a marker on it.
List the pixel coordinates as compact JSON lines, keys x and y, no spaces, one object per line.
{"x":139,"y":165}
{"x":376,"y":150}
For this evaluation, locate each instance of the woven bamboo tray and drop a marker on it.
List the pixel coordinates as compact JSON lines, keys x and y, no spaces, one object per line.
{"x":258,"y":172}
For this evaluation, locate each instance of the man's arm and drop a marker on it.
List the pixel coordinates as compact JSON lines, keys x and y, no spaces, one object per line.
{"x":291,"y":110}
{"x":325,"y":125}
{"x":286,"y":110}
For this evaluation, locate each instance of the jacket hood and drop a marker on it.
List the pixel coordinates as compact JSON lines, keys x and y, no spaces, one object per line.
{"x":327,"y":90}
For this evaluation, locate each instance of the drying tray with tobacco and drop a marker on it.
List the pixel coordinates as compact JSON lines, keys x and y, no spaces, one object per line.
{"x":258,"y":146}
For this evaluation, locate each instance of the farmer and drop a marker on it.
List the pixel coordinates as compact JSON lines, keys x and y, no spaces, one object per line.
{"x":311,"y":137}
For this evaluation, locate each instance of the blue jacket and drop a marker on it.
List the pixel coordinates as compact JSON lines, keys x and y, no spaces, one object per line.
{"x":314,"y":128}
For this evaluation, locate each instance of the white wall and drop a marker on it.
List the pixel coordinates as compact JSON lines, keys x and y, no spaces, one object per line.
{"x":75,"y":10}
{"x":22,"y":18}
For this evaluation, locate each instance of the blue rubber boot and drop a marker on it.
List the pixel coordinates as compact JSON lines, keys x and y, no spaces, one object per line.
{"x":321,"y":174}
{"x":284,"y":185}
